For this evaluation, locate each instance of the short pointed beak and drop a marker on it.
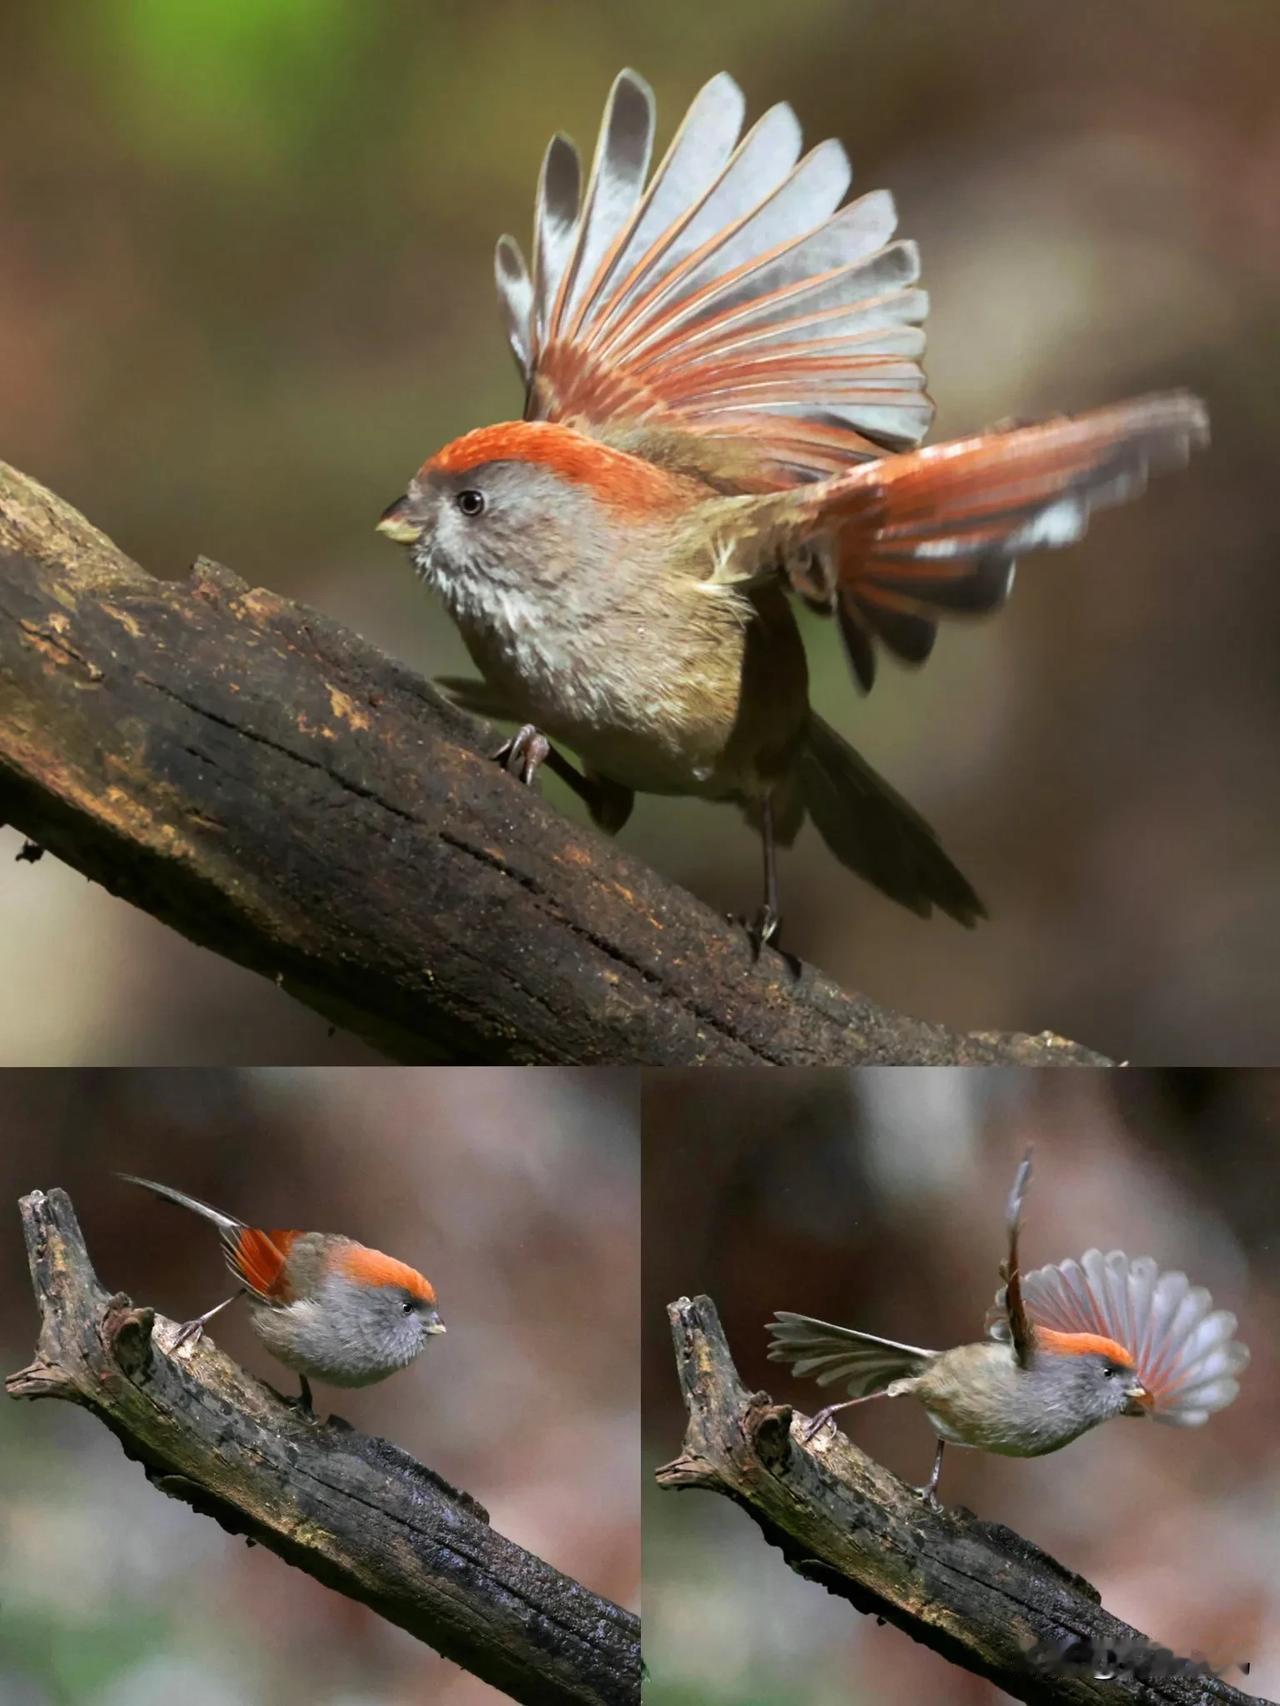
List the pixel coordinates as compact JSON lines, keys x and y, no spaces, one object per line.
{"x":396,"y":522}
{"x":1139,"y":1400}
{"x":435,"y":1325}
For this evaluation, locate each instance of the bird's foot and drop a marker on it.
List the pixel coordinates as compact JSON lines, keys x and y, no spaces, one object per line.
{"x":928,"y":1497}
{"x":763,"y":929}
{"x":824,"y":1418}
{"x":190,"y":1333}
{"x":762,"y":932}
{"x":524,"y":753}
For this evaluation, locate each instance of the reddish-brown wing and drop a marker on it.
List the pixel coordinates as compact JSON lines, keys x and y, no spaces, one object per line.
{"x":893,"y":546}
{"x":731,"y":297}
{"x":257,"y":1259}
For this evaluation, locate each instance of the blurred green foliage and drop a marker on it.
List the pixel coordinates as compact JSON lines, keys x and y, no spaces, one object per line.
{"x":229,"y":84}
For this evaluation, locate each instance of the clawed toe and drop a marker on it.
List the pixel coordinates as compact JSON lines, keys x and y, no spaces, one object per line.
{"x":523,"y":754}
{"x":763,"y":929}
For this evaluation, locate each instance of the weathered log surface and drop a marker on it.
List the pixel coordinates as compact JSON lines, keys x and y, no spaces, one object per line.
{"x":353,"y":1511}
{"x":272,"y":786}
{"x":976,"y":1592}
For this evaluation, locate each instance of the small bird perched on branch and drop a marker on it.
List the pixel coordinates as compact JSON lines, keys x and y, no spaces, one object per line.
{"x":1067,"y":1347}
{"x":723,"y":404}
{"x":325,"y":1306}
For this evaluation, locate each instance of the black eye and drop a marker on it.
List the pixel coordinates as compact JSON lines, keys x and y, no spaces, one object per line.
{"x":470,"y":502}
{"x":406,"y":1308}
{"x":1109,"y":1371}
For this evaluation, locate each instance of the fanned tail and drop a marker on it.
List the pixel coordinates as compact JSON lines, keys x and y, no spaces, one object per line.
{"x":827,"y":1353}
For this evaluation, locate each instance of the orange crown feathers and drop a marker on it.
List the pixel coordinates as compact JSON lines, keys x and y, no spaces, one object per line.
{"x":624,"y":482}
{"x":371,"y":1267}
{"x":1081,"y":1344}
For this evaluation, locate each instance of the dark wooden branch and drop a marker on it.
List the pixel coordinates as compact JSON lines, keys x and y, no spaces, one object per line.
{"x":973,"y":1591}
{"x":355,"y":1512}
{"x":276,"y":789}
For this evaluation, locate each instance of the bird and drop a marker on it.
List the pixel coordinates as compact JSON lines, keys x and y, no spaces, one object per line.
{"x":724,"y":406}
{"x":327,"y":1307}
{"x":1067,"y":1347}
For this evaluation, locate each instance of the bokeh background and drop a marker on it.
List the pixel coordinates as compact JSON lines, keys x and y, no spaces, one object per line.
{"x":877,"y":1199}
{"x":515,"y":1192}
{"x":245,"y":288}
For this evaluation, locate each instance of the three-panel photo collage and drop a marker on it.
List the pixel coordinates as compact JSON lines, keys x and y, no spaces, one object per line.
{"x":624,"y":1074}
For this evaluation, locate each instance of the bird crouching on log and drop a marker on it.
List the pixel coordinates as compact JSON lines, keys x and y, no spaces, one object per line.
{"x":325,"y":1306}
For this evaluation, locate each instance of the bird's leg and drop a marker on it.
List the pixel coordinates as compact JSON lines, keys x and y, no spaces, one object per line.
{"x":529,"y":749}
{"x":764,"y":927}
{"x":824,"y":1416}
{"x":304,"y":1397}
{"x":929,"y":1492}
{"x":191,"y":1330}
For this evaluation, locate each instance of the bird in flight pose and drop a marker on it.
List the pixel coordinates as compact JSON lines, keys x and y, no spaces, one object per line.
{"x":1067,"y":1347}
{"x":723,"y":408}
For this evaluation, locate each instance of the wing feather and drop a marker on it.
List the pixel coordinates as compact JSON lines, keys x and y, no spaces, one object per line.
{"x":734,"y":298}
{"x":935,"y":532}
{"x":1183,"y":1350}
{"x":614,"y":188}
{"x":555,"y":230}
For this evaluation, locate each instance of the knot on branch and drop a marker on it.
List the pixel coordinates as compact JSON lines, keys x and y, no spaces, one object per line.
{"x":768,"y":1430}
{"x":126,"y":1333}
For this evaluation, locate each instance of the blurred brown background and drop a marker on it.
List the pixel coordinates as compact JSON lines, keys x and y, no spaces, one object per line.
{"x":517,"y":1193}
{"x":245,"y":288}
{"x":877,"y":1199}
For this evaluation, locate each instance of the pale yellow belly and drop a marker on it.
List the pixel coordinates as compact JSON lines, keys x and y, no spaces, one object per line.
{"x":710,"y":715}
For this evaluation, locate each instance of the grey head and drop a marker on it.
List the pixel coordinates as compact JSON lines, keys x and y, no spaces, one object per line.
{"x":1088,"y":1385}
{"x":490,"y":535}
{"x":352,"y":1334}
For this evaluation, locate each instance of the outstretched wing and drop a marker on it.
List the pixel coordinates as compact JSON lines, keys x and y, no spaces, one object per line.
{"x":731,"y":296}
{"x":828,"y":1353}
{"x":1181,"y":1347}
{"x":892,"y":547}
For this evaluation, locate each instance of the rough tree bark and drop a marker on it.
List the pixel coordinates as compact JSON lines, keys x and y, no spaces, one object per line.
{"x":355,"y":1512}
{"x":276,"y":789}
{"x":973,"y":1591}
